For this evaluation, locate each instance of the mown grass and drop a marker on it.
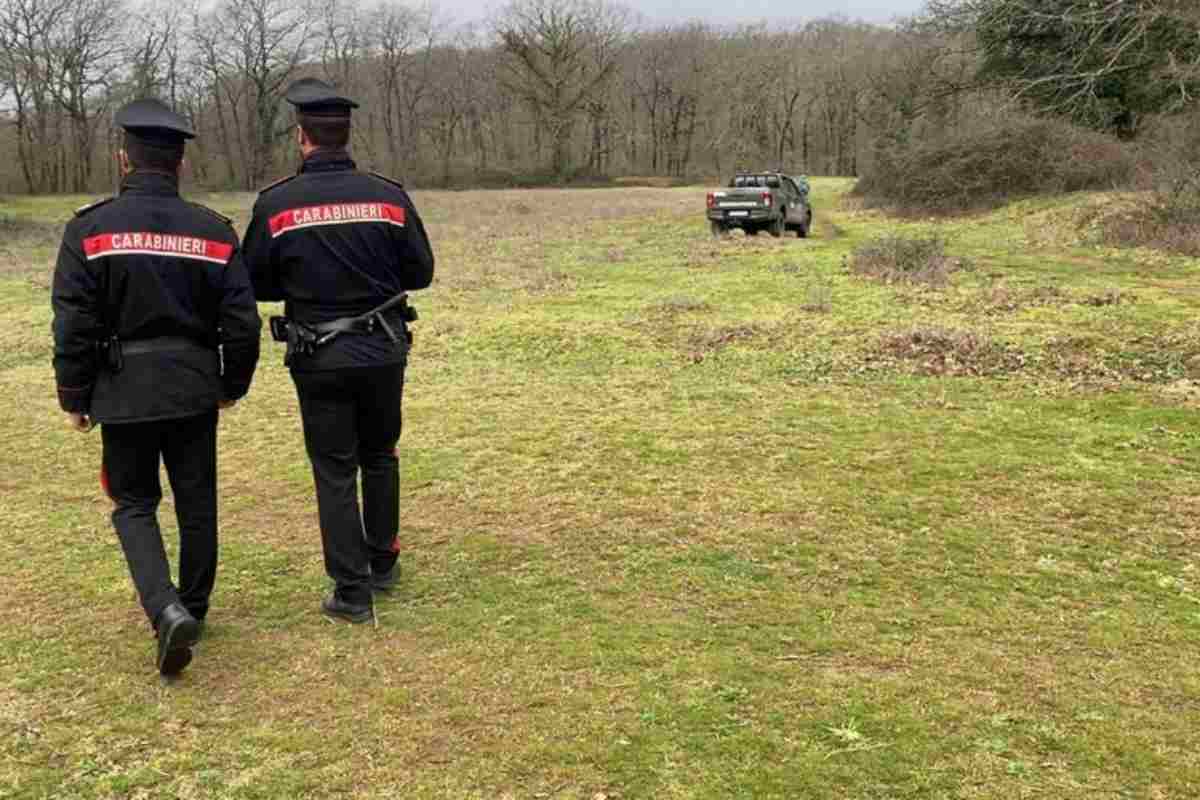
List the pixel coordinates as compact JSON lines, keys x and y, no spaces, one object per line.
{"x":672,"y":528}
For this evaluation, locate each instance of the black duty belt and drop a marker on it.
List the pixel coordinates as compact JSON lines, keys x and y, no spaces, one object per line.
{"x":161,"y":344}
{"x":112,"y":351}
{"x":305,"y":338}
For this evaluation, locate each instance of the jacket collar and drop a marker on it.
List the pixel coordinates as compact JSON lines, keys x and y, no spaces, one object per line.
{"x":327,"y":161}
{"x":150,"y":182}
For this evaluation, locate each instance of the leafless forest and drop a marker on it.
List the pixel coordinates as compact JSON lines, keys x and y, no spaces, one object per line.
{"x":545,"y":90}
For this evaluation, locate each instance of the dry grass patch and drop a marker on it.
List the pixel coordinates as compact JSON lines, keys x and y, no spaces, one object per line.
{"x":1079,"y":223}
{"x":1143,"y":359}
{"x":936,"y":351}
{"x":616,"y":255}
{"x":818,"y":297}
{"x":672,"y":324}
{"x":535,"y":212}
{"x":701,"y":343}
{"x":674,"y":306}
{"x":1108,"y":297}
{"x":1149,"y":226}
{"x":1164,"y":221}
{"x":22,"y":241}
{"x":898,"y":259}
{"x":538,"y":281}
{"x":1001,"y":299}
{"x":1007,"y":300}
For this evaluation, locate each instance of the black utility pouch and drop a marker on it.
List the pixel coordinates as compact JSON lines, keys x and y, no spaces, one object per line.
{"x":109,"y":353}
{"x":279,"y":328}
{"x":300,"y":341}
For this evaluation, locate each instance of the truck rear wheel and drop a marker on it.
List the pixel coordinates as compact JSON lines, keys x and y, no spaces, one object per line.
{"x":802,"y":231}
{"x":778,"y":226}
{"x":718,"y":229}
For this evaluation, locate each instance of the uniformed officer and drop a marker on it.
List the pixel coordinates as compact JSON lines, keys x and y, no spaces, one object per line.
{"x":155,"y":328}
{"x":341,"y":247}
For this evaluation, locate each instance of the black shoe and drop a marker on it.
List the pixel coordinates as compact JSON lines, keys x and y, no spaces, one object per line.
{"x":385,"y":581}
{"x":177,"y":632}
{"x":333,"y":606}
{"x":199,"y":623}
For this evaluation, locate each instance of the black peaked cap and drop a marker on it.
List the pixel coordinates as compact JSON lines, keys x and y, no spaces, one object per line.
{"x":316,"y":97}
{"x":151,"y":119}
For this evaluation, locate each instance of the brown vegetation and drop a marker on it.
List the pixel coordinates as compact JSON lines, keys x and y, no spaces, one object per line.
{"x":990,"y":163}
{"x":897,"y":259}
{"x":945,"y":351}
{"x":20,"y":238}
{"x":1004,"y":299}
{"x":1169,"y":217}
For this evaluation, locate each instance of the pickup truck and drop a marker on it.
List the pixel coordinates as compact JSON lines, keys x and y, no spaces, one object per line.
{"x":761,"y":201}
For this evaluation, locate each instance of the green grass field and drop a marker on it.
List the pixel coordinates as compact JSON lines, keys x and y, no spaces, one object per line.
{"x":682,"y":518}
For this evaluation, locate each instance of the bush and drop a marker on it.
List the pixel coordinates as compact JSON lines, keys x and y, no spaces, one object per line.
{"x":818,"y":297}
{"x":895,"y":259}
{"x":989,"y":164}
{"x":1169,"y":217}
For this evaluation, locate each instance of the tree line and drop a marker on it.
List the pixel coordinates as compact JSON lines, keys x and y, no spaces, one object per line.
{"x":556,"y":90}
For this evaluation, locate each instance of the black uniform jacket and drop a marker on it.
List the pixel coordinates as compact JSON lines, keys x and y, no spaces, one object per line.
{"x":152,"y":269}
{"x":335,"y":242}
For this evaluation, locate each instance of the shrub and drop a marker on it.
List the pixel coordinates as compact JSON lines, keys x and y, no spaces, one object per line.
{"x":983,"y":166}
{"x":896,"y":259}
{"x":1108,"y":297}
{"x":1169,"y":216}
{"x":818,"y":297}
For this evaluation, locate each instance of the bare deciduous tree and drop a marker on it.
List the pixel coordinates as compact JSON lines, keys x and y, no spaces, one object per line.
{"x":252,"y":50}
{"x":561,"y":53}
{"x":404,"y":43}
{"x":27,"y":74}
{"x":553,"y":87}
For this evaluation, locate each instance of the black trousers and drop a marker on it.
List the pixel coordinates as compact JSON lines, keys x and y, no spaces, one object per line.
{"x":352,"y":422}
{"x":188,"y":448}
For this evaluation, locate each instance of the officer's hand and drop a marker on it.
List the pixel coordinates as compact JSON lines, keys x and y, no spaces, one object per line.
{"x":80,"y":422}
{"x":224,"y":405}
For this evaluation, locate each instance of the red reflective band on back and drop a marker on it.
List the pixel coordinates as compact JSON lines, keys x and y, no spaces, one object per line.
{"x":157,"y":244}
{"x":335,"y":214}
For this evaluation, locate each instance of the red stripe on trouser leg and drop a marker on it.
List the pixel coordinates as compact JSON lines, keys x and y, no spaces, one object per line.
{"x":104,"y":483}
{"x":396,"y":538}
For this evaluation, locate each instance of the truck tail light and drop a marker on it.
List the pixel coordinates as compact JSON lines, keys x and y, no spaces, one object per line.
{"x":766,"y":198}
{"x":712,"y":200}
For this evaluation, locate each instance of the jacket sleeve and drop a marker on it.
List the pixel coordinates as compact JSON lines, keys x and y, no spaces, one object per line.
{"x":241,"y":329}
{"x":78,"y":325}
{"x":416,"y":254}
{"x":264,"y":276}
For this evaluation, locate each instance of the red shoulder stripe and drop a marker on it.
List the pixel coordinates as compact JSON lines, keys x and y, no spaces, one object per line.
{"x":157,"y":244}
{"x":335,"y":214}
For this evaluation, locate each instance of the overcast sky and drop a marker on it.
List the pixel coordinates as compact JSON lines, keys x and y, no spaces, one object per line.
{"x":782,"y":11}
